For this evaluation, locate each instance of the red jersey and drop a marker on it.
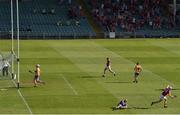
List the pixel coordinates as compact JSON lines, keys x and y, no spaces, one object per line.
{"x":108,"y":63}
{"x":166,"y":91}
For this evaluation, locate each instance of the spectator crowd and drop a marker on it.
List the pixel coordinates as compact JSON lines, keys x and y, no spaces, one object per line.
{"x":131,"y":15}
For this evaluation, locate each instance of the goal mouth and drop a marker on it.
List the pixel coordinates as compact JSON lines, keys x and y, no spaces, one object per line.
{"x":8,"y":59}
{"x":1,"y":62}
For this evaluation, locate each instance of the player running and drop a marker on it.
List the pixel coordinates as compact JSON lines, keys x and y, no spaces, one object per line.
{"x":36,"y":79}
{"x":121,"y":105}
{"x":108,"y":67}
{"x":166,"y":92}
{"x":137,"y":71}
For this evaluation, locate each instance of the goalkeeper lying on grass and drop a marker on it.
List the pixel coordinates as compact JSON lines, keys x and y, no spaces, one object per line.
{"x":121,"y":105}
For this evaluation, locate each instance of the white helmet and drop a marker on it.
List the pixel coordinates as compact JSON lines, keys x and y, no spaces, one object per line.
{"x":37,"y":65}
{"x":169,"y":86}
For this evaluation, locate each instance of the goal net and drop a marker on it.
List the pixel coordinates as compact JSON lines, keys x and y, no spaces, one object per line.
{"x":1,"y":62}
{"x":10,"y":50}
{"x":6,"y":60}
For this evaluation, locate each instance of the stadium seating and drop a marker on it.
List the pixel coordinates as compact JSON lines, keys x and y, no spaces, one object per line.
{"x":42,"y":17}
{"x":140,"y":17}
{"x":60,"y":18}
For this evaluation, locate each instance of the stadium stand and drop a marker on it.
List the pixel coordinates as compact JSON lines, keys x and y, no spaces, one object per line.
{"x":146,"y":18}
{"x":63,"y":18}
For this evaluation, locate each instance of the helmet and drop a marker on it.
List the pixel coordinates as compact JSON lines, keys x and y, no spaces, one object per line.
{"x":125,"y":100}
{"x":168,"y":86}
{"x":37,"y":65}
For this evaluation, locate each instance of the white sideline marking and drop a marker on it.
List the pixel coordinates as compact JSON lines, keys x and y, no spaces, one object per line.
{"x":75,"y":92}
{"x":25,"y":102}
{"x":22,"y":97}
{"x":3,"y":89}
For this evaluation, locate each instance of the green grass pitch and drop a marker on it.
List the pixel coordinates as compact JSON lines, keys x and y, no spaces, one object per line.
{"x":72,"y":70}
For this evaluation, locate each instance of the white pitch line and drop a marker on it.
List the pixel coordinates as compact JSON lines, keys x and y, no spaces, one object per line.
{"x":22,"y":97}
{"x":75,"y":92}
{"x":25,"y":102}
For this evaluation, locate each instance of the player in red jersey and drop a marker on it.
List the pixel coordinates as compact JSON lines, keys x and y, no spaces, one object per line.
{"x":137,"y":71}
{"x":108,"y":67}
{"x":166,"y":92}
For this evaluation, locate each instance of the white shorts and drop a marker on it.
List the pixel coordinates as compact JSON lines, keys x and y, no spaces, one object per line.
{"x":108,"y":67}
{"x":162,"y":97}
{"x":121,"y":107}
{"x":37,"y":78}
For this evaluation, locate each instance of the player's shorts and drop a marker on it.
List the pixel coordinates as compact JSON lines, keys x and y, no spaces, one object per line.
{"x":162,"y":97}
{"x":121,"y":107}
{"x":108,"y":67}
{"x":136,"y":74}
{"x":36,"y":78}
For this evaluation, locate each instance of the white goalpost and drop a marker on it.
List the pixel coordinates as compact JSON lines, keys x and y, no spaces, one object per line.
{"x":17,"y":8}
{"x":12,"y":40}
{"x":13,"y":53}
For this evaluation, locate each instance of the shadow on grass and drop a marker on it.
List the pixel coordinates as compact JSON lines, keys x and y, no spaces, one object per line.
{"x":118,"y":82}
{"x":139,"y":108}
{"x":13,"y":87}
{"x":163,"y":89}
{"x":114,"y":108}
{"x":89,"y":77}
